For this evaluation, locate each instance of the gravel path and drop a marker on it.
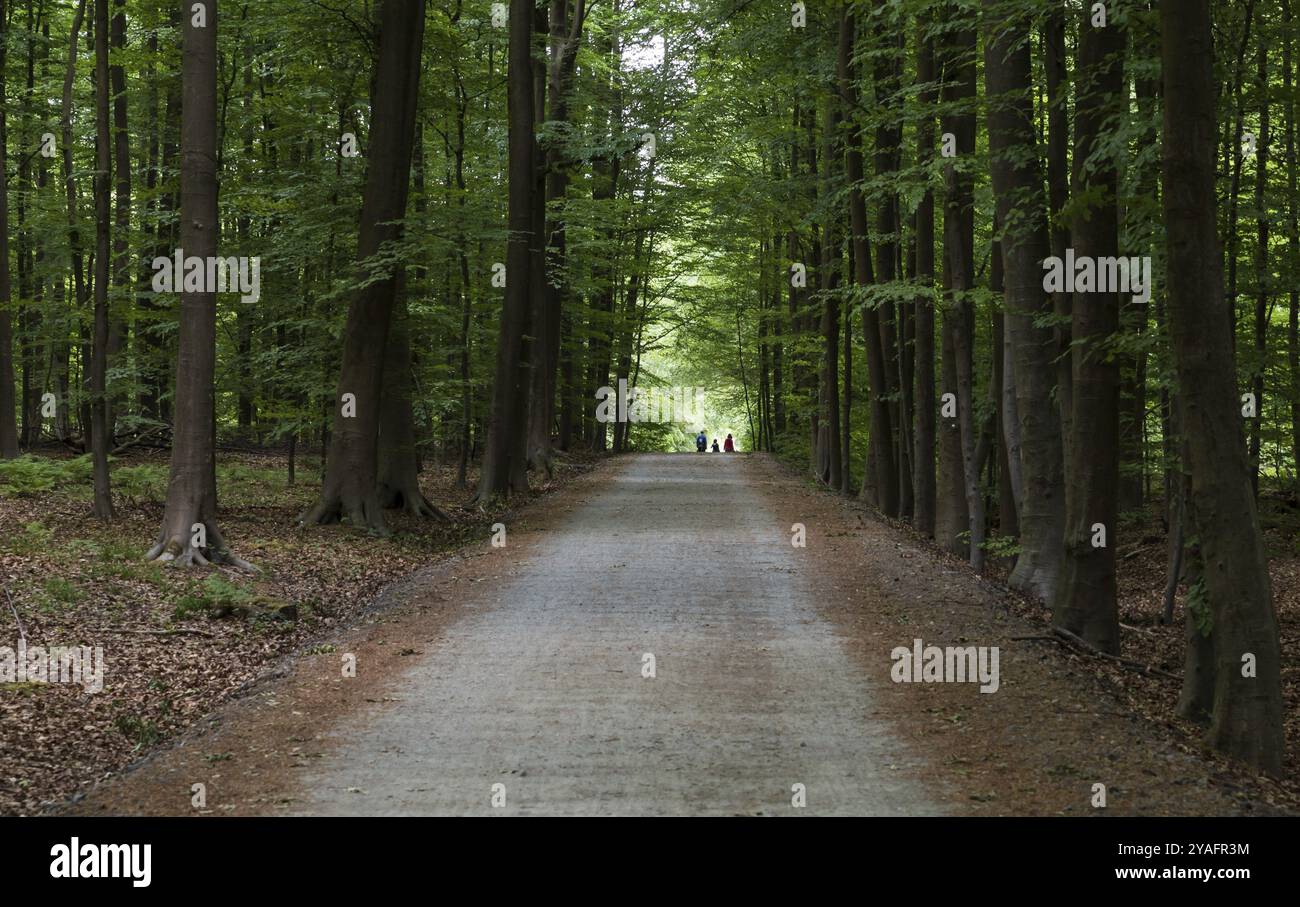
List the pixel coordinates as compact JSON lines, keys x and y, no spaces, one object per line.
{"x":540,"y":686}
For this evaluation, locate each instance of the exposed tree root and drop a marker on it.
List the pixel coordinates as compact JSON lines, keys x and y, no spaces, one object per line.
{"x":364,"y":514}
{"x":412,"y":501}
{"x":177,"y":550}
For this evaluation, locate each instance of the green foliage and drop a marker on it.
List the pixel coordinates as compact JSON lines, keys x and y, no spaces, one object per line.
{"x":140,"y":731}
{"x":58,"y":592}
{"x":1198,"y":605}
{"x":146,"y":482}
{"x":34,"y":537}
{"x":29,"y":475}
{"x":213,"y":594}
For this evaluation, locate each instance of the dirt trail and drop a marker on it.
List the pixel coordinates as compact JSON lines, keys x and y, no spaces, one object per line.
{"x":523,"y":666}
{"x":542,"y":689}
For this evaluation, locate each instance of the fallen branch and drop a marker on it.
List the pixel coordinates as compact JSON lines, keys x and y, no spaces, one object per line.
{"x":1065,"y":637}
{"x":139,"y":439}
{"x":153,"y":632}
{"x":18,"y":620}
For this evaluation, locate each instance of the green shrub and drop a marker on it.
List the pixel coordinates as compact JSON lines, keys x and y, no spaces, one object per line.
{"x":146,"y":482}
{"x":216,"y":593}
{"x":31,"y":475}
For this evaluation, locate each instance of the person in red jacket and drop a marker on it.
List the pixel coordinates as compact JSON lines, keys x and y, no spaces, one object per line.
{"x":729,"y":445}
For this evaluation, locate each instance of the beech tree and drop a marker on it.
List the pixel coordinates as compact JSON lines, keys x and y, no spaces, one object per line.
{"x":189,"y":533}
{"x":351,"y":485}
{"x":1085,"y":599}
{"x":1018,"y":186}
{"x":1247,"y":706}
{"x":8,"y":421}
{"x":504,"y":458}
{"x":99,"y":427}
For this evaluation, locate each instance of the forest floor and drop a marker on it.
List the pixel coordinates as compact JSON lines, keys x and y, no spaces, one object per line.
{"x":168,"y":660}
{"x":524,"y":666}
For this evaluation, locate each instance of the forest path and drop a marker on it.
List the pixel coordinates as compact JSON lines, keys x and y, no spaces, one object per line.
{"x":540,"y":686}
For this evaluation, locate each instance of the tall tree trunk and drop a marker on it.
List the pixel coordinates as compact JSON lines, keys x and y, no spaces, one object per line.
{"x":1085,"y":601}
{"x":923,"y":480}
{"x":8,"y":424}
{"x":1058,"y":195}
{"x":189,"y":533}
{"x":1017,"y":180}
{"x":891,"y":471}
{"x":117,"y":313}
{"x":959,"y":272}
{"x":99,"y":432}
{"x":830,"y":458}
{"x":350,"y":488}
{"x":541,"y":393}
{"x":1247,"y":722}
{"x":846,"y":401}
{"x":883,"y":476}
{"x":503,"y":468}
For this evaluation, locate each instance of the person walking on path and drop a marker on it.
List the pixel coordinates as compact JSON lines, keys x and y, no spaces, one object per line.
{"x":729,"y":446}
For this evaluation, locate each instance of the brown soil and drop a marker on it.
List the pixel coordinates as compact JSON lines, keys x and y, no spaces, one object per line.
{"x":1060,"y":722}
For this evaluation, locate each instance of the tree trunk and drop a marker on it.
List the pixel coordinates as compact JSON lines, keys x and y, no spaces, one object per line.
{"x":398,"y":471}
{"x":883,"y":474}
{"x":189,"y":533}
{"x":502,"y":467}
{"x":8,"y":425}
{"x":923,"y":480}
{"x":959,"y":273}
{"x":1032,"y":424}
{"x":829,"y":421}
{"x":118,"y":323}
{"x":1247,"y":722}
{"x":1058,"y":195}
{"x":350,"y":488}
{"x":1086,"y":597}
{"x":99,"y":432}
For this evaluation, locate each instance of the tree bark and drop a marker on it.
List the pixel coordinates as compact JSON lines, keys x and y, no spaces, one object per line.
{"x":1086,"y":597}
{"x":1247,"y":721}
{"x":1031,"y":423}
{"x":830,"y":459}
{"x":99,"y":432}
{"x":8,"y":423}
{"x":882,"y":474}
{"x":959,"y":272}
{"x":923,"y":480}
{"x":1058,"y":195}
{"x":189,"y":533}
{"x":503,"y":466}
{"x":350,"y":488}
